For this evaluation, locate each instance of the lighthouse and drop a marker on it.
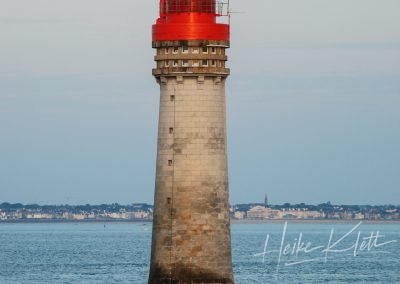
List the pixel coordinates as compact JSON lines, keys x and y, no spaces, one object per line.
{"x":191,"y":230}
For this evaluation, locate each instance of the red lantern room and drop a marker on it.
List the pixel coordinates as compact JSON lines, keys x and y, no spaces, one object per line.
{"x":192,"y":20}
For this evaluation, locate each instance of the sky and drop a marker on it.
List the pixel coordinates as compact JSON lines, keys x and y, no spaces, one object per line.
{"x":313,"y":101}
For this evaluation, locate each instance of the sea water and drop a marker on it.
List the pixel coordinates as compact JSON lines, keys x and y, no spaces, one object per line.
{"x":262,"y":253}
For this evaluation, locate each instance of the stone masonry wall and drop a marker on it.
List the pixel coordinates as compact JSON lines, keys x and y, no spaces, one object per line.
{"x":191,"y":231}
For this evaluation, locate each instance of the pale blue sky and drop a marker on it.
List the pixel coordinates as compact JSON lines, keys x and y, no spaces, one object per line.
{"x":313,"y":101}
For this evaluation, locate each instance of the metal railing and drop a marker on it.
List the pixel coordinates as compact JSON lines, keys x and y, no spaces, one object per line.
{"x":219,"y":7}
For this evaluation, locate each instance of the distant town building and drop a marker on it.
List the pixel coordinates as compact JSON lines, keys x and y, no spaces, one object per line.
{"x":240,"y":215}
{"x":261,"y":212}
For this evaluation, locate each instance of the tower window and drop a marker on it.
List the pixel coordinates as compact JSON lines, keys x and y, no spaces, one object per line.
{"x":167,"y":50}
{"x":204,"y":62}
{"x":166,"y":63}
{"x":175,"y":63}
{"x":175,"y":50}
{"x":185,"y":49}
{"x":171,"y":130}
{"x":205,"y":49}
{"x":172,"y":98}
{"x":185,"y":63}
{"x":213,"y":63}
{"x":213,"y":50}
{"x":195,"y":50}
{"x":169,"y":162}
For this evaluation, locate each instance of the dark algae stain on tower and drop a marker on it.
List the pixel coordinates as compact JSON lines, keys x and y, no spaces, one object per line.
{"x":191,"y":230}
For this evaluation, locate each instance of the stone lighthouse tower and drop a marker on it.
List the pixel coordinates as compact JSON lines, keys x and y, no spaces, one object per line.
{"x":191,"y":231}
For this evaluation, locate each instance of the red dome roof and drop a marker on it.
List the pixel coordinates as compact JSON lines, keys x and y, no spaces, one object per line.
{"x":189,"y":20}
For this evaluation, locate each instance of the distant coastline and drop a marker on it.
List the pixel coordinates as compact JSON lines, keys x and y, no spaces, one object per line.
{"x":248,"y":213}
